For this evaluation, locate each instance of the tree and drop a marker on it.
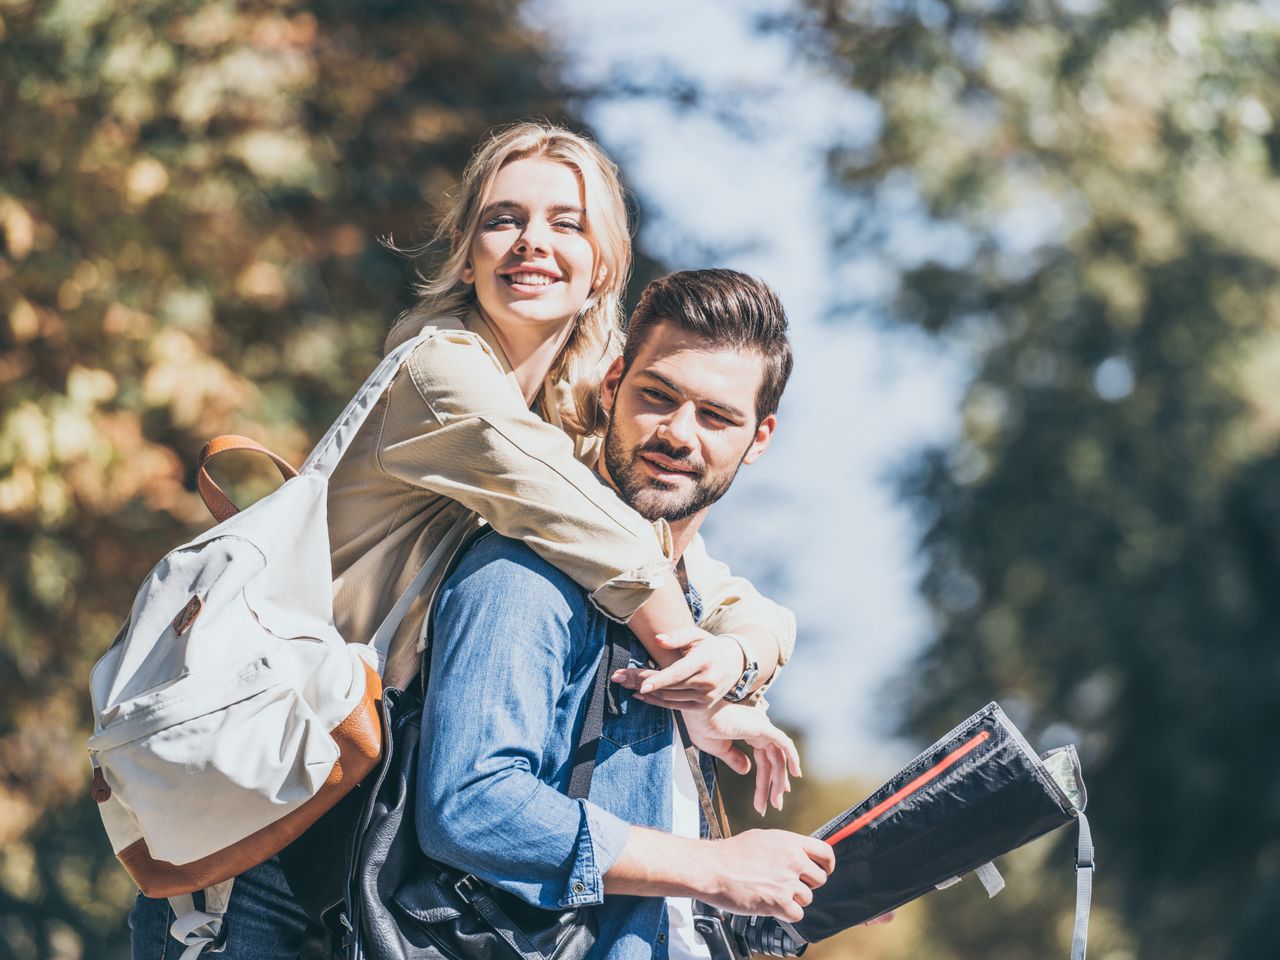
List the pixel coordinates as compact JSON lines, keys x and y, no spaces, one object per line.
{"x":191,"y":196}
{"x":1097,"y":195}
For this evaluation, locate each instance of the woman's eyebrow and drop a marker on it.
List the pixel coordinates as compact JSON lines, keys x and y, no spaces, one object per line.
{"x":501,"y":206}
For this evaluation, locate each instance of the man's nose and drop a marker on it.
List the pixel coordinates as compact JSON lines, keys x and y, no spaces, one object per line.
{"x":681,"y":428}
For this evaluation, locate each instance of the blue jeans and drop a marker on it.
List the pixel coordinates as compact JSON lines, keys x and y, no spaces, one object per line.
{"x":264,"y":922}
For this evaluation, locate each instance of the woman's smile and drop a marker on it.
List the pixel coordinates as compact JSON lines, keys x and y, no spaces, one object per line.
{"x":532,"y":260}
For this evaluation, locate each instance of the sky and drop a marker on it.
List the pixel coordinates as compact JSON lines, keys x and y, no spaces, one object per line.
{"x":816,"y":523}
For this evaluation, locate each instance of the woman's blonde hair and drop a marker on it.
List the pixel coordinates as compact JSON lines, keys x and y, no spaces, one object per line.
{"x":596,"y":336}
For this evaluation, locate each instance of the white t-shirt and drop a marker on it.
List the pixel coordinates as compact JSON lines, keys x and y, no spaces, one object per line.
{"x":686,"y":821}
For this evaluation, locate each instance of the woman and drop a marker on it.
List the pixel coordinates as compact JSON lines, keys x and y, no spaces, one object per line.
{"x":494,"y":414}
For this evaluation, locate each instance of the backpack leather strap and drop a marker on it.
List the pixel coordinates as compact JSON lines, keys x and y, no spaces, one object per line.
{"x":214,"y":498}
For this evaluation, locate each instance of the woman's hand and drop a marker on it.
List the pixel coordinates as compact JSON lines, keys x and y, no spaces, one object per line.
{"x":714,"y":731}
{"x":708,"y":668}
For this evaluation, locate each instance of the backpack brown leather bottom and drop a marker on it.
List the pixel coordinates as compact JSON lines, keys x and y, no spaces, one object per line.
{"x":359,"y":739}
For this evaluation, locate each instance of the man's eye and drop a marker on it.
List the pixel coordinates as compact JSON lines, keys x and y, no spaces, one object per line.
{"x":657,"y":396}
{"x":717,"y":418}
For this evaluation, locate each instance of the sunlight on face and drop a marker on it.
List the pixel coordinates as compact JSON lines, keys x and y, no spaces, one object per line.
{"x":532,"y":260}
{"x":682,"y":421}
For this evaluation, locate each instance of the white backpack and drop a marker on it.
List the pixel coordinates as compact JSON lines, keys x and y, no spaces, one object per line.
{"x":229,"y":714}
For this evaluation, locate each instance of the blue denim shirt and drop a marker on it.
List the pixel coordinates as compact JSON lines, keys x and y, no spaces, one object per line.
{"x":515,"y":647}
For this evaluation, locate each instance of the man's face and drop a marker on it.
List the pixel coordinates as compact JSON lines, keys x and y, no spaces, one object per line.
{"x":681,"y":422}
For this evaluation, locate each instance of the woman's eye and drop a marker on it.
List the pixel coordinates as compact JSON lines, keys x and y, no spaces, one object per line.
{"x":505,"y":220}
{"x":569,"y":225}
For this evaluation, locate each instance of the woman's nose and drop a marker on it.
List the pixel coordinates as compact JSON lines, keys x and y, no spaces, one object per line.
{"x":533,"y":241}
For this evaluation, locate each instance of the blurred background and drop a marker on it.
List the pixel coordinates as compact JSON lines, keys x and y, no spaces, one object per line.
{"x":1031,"y":452}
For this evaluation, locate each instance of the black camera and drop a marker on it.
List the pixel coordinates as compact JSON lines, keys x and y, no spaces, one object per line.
{"x":731,"y":937}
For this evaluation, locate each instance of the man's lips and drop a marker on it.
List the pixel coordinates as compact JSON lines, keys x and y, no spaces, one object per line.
{"x":664,"y":464}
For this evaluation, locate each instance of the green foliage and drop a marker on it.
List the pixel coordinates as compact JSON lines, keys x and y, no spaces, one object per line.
{"x":191,"y":196}
{"x":1100,"y":195}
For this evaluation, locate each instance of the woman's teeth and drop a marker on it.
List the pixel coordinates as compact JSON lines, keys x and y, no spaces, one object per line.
{"x":530,"y":279}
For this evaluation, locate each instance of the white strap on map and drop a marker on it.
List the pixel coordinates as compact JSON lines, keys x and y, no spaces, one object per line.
{"x":198,"y":929}
{"x":990,"y":879}
{"x":1084,"y":889}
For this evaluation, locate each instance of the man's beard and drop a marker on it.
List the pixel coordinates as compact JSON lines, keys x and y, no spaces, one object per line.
{"x":652,"y":498}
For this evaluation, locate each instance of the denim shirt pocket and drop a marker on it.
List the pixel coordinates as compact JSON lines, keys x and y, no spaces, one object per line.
{"x":633,"y":722}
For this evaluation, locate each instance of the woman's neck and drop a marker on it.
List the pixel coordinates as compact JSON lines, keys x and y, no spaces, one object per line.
{"x":530,"y":351}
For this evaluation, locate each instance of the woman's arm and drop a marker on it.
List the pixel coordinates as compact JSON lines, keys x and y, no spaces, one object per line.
{"x":732,"y":607}
{"x":455,"y":425}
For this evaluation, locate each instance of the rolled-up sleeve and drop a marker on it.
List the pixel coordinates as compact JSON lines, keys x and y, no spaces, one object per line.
{"x":456,"y":426}
{"x":513,"y":654}
{"x":731,"y":602}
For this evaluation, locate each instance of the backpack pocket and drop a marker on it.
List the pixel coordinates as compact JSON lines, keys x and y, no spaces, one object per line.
{"x":244,"y":734}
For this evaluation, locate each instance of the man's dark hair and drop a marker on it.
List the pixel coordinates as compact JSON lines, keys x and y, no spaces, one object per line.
{"x":727,"y":308}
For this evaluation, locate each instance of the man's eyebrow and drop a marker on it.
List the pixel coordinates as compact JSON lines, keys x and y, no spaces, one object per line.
{"x":728,"y":409}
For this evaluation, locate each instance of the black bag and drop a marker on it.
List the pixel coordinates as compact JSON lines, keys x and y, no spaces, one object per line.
{"x":402,"y":905}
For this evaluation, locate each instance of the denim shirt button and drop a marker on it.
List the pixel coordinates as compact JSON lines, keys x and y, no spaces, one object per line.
{"x":579,"y":887}
{"x":662,"y":938}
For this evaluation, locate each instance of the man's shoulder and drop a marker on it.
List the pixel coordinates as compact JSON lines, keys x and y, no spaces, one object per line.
{"x":501,"y":567}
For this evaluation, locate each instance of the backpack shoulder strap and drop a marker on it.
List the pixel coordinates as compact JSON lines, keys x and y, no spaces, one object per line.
{"x":324,"y":458}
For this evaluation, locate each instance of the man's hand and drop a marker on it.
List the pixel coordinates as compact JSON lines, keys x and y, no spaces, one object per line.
{"x":714,"y":731}
{"x":708,"y":668}
{"x":767,"y":872}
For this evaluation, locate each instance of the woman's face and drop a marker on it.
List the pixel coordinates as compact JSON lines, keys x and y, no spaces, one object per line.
{"x":532,"y":260}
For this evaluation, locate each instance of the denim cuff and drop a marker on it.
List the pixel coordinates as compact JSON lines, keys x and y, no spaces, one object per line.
{"x":601,"y":837}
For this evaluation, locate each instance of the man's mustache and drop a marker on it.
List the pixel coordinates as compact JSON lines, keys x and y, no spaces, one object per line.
{"x":682,"y":456}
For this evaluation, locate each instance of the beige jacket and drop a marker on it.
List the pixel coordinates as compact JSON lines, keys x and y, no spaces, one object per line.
{"x":452,"y":437}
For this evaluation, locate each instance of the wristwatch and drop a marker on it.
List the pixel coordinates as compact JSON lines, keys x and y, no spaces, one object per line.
{"x":740,"y":690}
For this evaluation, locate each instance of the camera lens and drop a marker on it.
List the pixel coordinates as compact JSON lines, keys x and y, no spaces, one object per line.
{"x":765,"y":935}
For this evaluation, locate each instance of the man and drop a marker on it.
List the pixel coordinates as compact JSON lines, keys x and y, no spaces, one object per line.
{"x":692,"y":399}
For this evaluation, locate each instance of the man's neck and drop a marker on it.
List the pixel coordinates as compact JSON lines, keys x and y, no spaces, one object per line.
{"x":682,"y":531}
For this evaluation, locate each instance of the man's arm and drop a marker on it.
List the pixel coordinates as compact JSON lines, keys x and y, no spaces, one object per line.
{"x":765,"y":872}
{"x":509,"y":634}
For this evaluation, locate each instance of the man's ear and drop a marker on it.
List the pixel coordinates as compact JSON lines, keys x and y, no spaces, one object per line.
{"x":760,"y":442}
{"x":609,"y":385}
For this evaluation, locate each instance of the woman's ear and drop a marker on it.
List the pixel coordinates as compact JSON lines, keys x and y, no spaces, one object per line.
{"x":468,"y":274}
{"x":609,"y":386}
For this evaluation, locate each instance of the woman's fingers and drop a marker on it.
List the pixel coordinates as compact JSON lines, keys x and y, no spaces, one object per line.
{"x":632,"y":677}
{"x":781,"y":783}
{"x":687,"y":673}
{"x":734,"y":759}
{"x":764,"y":777}
{"x":681,"y":638}
{"x":672,"y":699}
